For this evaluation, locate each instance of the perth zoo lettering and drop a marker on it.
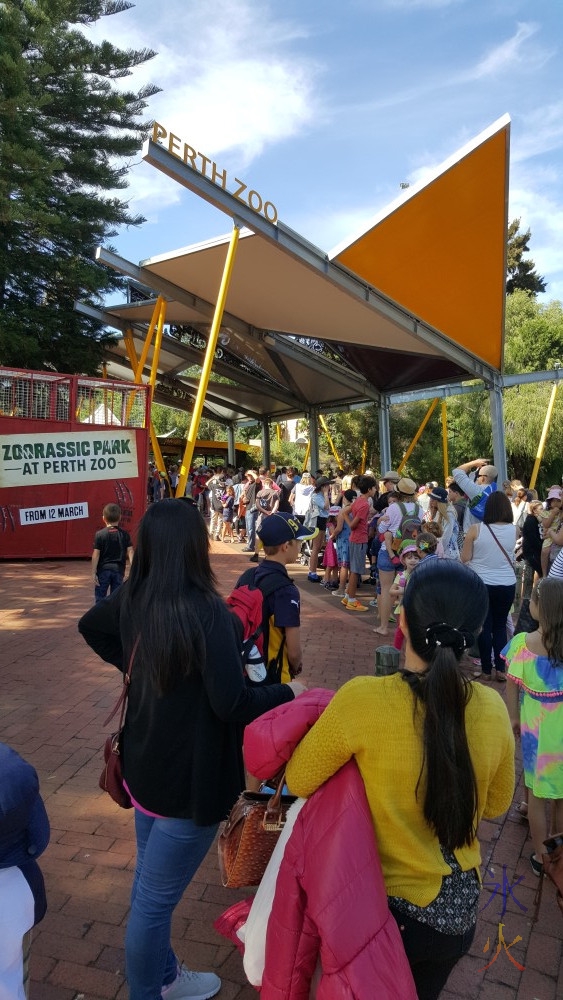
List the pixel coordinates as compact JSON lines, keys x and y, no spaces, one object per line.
{"x":208,"y":168}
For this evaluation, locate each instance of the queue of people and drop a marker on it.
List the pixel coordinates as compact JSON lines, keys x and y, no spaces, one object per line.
{"x":408,"y":763}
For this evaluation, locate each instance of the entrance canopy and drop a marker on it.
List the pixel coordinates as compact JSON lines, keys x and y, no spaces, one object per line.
{"x":414,"y":301}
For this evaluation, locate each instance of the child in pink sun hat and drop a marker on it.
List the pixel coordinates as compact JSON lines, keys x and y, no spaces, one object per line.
{"x":410,"y":557}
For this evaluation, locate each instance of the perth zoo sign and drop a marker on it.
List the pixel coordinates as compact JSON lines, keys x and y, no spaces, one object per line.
{"x":208,"y":168}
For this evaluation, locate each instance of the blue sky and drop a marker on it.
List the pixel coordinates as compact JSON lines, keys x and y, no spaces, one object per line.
{"x":325,"y":107}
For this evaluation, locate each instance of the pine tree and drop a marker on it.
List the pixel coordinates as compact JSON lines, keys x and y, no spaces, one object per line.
{"x":66,"y":136}
{"x":521,"y":273}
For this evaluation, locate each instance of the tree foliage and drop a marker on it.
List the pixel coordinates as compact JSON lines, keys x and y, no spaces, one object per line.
{"x":521,"y":274}
{"x":67,"y":133}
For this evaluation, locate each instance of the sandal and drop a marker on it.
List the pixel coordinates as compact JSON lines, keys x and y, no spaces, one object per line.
{"x":522,"y":808}
{"x":537,"y":866}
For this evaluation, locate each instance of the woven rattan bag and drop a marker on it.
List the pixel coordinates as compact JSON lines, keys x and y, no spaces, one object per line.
{"x":250,"y":834}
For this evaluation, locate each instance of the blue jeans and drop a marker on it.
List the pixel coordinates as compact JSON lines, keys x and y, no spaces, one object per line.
{"x":169,"y":852}
{"x":251,"y":517}
{"x":492,"y":637}
{"x":107,"y":578}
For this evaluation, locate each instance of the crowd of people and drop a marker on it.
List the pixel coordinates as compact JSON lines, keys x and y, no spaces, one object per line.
{"x":409,"y":762}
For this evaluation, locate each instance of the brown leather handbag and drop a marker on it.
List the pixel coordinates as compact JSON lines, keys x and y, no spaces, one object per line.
{"x":250,"y":834}
{"x":111,"y":778}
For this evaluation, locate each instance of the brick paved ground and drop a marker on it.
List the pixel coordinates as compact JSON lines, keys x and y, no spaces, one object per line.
{"x":55,"y":695}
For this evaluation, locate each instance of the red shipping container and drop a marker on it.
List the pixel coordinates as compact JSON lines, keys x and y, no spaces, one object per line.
{"x":68,"y":446}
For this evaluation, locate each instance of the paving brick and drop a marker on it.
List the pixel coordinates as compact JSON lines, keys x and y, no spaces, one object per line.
{"x":86,"y":979}
{"x":544,"y":954}
{"x":72,"y":949}
{"x":57,"y":723}
{"x":535,"y":986}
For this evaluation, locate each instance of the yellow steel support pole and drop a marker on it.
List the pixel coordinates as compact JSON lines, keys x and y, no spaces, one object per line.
{"x":145,"y":352}
{"x":139,"y":364}
{"x":132,"y":355}
{"x":208,"y":362}
{"x":543,"y":438}
{"x":278,"y":434}
{"x":416,"y":438}
{"x":307,"y":454}
{"x":445,"y":439}
{"x":324,"y":426}
{"x":157,"y":344}
{"x":364,"y":456}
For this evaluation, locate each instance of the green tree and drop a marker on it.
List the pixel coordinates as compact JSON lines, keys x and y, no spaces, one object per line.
{"x":67,"y":133}
{"x":533,"y":334}
{"x":521,"y":273}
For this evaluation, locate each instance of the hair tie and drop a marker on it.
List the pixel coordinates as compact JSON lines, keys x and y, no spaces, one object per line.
{"x":447,"y":636}
{"x":415,"y":681}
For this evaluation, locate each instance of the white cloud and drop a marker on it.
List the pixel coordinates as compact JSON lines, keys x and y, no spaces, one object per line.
{"x":510,"y":55}
{"x":541,"y":131}
{"x":230,"y":82}
{"x":535,"y":199}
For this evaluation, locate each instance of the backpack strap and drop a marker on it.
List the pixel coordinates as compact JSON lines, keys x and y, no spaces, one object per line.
{"x":268,"y":586}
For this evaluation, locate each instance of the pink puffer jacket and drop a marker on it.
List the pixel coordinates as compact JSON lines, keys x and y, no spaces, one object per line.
{"x":330,"y":903}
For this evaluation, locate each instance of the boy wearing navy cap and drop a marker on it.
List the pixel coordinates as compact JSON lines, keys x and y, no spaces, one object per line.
{"x":281,"y":535}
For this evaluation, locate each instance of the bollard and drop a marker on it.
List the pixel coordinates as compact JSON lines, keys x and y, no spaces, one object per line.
{"x":386,"y":660}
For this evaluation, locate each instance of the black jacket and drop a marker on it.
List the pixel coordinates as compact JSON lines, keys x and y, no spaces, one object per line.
{"x":182,"y":752}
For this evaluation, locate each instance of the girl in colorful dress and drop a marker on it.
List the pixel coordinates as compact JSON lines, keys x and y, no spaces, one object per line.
{"x":330,"y":558}
{"x":534,"y":697}
{"x":410,"y":558}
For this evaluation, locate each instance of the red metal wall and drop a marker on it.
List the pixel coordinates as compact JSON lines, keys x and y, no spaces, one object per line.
{"x":68,"y":446}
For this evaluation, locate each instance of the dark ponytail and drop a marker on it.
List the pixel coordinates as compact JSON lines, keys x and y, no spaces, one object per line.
{"x":445,"y":605}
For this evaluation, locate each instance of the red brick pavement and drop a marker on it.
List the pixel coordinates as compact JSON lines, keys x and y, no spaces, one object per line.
{"x":55,"y":696}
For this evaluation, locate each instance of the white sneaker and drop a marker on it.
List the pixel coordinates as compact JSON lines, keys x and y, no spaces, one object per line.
{"x":192,"y":985}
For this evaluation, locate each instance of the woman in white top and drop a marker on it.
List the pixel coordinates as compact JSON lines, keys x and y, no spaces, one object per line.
{"x":488,"y":549}
{"x":300,"y":497}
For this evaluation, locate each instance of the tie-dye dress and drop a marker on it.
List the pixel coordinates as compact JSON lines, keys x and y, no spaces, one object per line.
{"x":541,"y":717}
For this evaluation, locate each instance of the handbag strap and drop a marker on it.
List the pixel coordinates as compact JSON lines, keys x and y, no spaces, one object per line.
{"x":272,"y":814}
{"x":122,"y":700}
{"x":501,"y":547}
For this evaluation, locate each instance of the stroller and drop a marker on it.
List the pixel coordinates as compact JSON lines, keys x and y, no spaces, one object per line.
{"x":305,"y":553}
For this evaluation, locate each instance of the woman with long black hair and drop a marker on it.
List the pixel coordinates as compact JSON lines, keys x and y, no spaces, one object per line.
{"x":188,"y":701}
{"x":436,"y":754}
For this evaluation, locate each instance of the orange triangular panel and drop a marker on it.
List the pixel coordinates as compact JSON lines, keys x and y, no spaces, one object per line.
{"x":440,"y":251}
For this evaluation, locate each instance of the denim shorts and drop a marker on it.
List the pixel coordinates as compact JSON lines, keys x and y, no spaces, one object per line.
{"x":384,"y":563}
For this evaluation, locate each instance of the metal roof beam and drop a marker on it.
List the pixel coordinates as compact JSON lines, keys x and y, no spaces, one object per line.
{"x":283,"y":345}
{"x":454,"y":389}
{"x":191,"y":356}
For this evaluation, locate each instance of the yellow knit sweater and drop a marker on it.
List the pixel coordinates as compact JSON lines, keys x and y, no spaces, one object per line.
{"x":372,"y":719}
